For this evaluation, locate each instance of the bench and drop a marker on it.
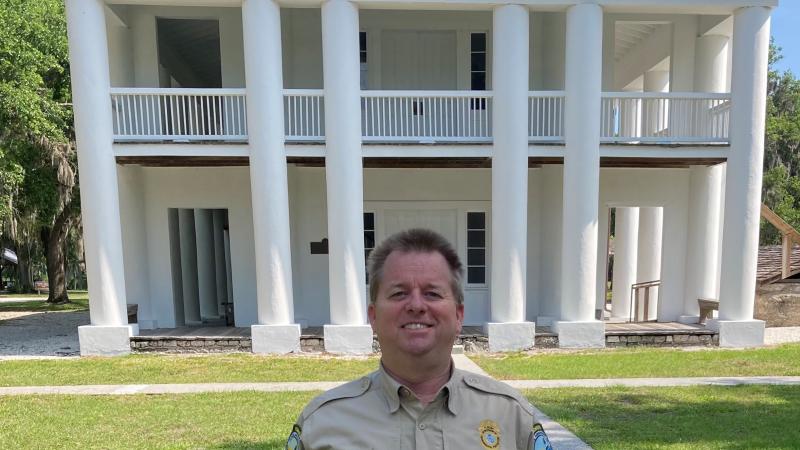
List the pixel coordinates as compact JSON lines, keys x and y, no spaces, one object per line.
{"x":41,"y":286}
{"x":707,"y":307}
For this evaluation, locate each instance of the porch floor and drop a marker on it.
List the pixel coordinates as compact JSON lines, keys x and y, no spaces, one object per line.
{"x":612,"y":329}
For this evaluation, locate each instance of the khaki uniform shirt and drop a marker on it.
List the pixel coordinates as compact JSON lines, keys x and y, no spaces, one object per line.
{"x":377,"y":412}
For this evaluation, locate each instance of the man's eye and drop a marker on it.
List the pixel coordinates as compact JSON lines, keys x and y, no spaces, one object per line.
{"x":434,"y":294}
{"x":397,"y":294}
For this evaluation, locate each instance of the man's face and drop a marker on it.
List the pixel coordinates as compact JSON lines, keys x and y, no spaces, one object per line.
{"x":415,"y":314}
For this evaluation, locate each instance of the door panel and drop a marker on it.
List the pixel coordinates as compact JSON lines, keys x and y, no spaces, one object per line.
{"x":421,"y":60}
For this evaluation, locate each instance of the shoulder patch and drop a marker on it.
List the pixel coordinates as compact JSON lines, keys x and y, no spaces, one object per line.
{"x":350,"y":390}
{"x":490,"y":386}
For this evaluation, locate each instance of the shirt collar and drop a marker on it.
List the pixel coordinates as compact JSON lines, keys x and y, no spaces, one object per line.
{"x":392,"y":388}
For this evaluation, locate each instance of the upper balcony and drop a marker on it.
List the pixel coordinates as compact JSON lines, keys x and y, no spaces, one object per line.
{"x":426,"y":77}
{"x":420,"y":117}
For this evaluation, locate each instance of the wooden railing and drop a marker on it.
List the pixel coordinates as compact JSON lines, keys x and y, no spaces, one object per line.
{"x":669,"y":117}
{"x":426,"y":116}
{"x":151,"y":114}
{"x":789,"y":237}
{"x":304,"y":114}
{"x":635,"y":300}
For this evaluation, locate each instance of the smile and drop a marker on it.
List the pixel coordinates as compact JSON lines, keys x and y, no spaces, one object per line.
{"x":415,"y":326}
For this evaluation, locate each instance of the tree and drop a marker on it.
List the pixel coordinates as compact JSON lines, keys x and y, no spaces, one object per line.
{"x":36,"y":132}
{"x":780,"y":189}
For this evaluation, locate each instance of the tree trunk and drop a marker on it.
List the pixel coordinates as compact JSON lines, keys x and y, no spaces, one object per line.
{"x":54,"y":240}
{"x":23,"y":269}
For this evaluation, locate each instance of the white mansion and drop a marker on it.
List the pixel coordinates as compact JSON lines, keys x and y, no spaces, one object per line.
{"x":239,"y":158}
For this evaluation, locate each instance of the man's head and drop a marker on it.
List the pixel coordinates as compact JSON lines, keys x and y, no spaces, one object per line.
{"x":416,"y":300}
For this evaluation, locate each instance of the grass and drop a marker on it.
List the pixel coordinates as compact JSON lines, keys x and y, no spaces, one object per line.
{"x":79,"y":301}
{"x":700,"y":417}
{"x":644,"y":362}
{"x":157,"y":369}
{"x":217,"y":421}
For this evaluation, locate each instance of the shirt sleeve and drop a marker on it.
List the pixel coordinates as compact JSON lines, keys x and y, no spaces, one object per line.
{"x":538,"y":439}
{"x":295,"y":442}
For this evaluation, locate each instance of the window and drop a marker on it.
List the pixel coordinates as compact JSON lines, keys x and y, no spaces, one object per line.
{"x":476,"y":248}
{"x":369,"y":236}
{"x":478,"y":68}
{"x":362,"y":57}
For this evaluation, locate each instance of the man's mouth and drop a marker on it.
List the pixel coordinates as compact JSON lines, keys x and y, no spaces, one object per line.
{"x":416,"y":326}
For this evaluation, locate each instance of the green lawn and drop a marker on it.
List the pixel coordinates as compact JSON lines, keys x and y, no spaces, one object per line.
{"x":79,"y":301}
{"x":154,"y":369}
{"x":700,"y":417}
{"x":644,"y":362}
{"x":217,"y":421}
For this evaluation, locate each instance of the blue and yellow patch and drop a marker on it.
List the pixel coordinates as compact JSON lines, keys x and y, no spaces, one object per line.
{"x":539,"y":440}
{"x":490,"y":434}
{"x":294,"y":442}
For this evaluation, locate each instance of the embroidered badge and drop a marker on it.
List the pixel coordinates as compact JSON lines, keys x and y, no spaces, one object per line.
{"x":490,"y":434}
{"x":540,"y":440}
{"x":294,"y":443}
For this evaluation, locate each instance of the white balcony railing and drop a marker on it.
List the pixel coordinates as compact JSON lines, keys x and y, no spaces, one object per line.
{"x":672,"y":117}
{"x":304,"y":114}
{"x":152,"y":114}
{"x":546,"y":116}
{"x":426,"y":116}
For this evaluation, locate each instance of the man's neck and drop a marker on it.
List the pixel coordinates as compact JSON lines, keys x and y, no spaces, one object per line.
{"x":424,"y":384}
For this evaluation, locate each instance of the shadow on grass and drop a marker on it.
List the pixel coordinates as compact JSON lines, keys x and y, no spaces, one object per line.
{"x":241,"y":445}
{"x":688,"y":417}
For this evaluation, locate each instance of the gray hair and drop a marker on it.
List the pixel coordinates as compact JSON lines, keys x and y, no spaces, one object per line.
{"x":415,"y":240}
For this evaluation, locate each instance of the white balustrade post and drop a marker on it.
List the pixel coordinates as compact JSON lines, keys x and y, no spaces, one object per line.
{"x":508,"y":329}
{"x":648,"y":262}
{"x":702,"y":253}
{"x":276,"y":331}
{"x":743,"y":180}
{"x":109,"y":332}
{"x":348,"y":332}
{"x":626,"y":237}
{"x":578,"y":326}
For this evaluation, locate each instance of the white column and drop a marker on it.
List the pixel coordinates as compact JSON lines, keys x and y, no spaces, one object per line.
{"x":655,"y":114}
{"x":219,"y":260}
{"x":508,"y":329}
{"x":276,"y":331}
{"x":711,"y":63}
{"x":108,"y":333}
{"x":191,"y":295}
{"x":578,"y":327}
{"x":743,"y":180}
{"x":626,"y":237}
{"x":702,"y":253}
{"x":206,"y":274}
{"x":348,"y":332}
{"x":648,"y":262}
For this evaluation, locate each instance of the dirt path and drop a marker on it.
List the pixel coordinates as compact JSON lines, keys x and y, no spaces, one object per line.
{"x":40,"y":333}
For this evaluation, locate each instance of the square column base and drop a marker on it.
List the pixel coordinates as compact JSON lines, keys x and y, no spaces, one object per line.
{"x":100,"y":340}
{"x":275,"y":339}
{"x":510,"y":336}
{"x":738,"y":333}
{"x":588,"y":334}
{"x":348,"y":339}
{"x":545,"y":321}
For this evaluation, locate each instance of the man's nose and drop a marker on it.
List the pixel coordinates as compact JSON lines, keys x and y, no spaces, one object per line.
{"x":416,"y":301}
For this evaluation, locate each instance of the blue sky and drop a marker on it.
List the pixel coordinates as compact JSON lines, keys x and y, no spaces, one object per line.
{"x":785,"y":30}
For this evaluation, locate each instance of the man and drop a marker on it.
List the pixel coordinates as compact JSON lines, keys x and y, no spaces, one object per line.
{"x":417,"y":399}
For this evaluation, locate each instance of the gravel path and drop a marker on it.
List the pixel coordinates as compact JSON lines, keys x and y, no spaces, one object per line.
{"x":40,"y":333}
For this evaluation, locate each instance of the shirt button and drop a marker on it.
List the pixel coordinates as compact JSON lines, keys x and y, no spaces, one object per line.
{"x":422,"y":426}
